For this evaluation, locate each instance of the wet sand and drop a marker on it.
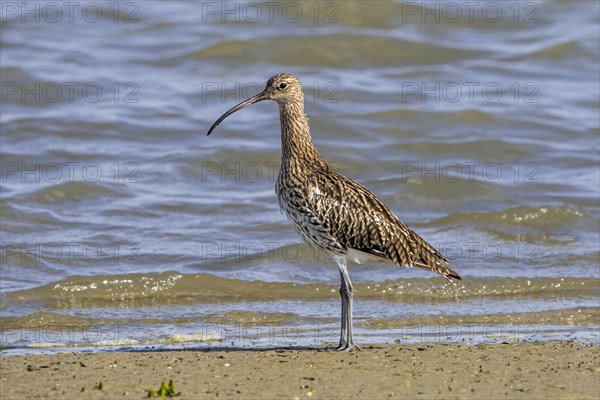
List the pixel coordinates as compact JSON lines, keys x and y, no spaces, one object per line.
{"x":427,"y":371}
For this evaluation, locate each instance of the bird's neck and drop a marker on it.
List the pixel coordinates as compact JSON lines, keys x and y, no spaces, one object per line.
{"x":296,"y":143}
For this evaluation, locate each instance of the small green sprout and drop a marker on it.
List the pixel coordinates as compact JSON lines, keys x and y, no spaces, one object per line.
{"x":164,"y":391}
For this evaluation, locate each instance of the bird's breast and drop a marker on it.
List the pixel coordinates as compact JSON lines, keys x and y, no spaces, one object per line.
{"x":300,"y":200}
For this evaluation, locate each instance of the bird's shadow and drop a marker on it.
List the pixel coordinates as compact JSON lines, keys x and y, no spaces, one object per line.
{"x":207,"y":349}
{"x":225,"y":349}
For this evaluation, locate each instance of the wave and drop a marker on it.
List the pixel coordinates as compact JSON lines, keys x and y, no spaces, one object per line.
{"x":138,"y":290}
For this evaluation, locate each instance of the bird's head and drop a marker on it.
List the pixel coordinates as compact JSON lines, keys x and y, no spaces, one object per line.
{"x":282,"y":88}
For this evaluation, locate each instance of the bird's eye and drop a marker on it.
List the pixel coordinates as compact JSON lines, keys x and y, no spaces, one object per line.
{"x":282,"y":85}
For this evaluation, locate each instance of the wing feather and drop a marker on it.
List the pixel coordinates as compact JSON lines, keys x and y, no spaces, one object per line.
{"x":356,"y":219}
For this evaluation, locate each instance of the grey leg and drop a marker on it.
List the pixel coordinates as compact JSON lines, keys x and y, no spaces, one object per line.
{"x":346,"y":293}
{"x":350,"y":344}
{"x":344,"y":320}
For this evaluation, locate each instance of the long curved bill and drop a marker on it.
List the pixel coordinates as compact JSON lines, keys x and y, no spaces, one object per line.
{"x":254,"y":99}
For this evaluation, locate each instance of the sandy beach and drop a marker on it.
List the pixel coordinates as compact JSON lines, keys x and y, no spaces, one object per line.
{"x":423,"y":371}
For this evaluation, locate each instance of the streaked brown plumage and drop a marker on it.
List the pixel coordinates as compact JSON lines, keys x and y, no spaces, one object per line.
{"x":331,"y":211}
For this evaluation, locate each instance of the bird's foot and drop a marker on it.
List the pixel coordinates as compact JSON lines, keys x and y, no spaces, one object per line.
{"x":347,"y":347}
{"x":340,"y":347}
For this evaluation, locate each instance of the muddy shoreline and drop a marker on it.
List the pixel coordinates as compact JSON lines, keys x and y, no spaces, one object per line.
{"x":501,"y":371}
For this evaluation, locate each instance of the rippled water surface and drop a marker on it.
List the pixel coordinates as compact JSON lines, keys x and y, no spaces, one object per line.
{"x":124,"y":224}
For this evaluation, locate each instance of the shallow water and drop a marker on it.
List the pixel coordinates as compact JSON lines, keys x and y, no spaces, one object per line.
{"x":123,"y":224}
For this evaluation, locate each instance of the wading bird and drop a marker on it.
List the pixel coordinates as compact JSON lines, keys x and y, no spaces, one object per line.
{"x":333,"y":212}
